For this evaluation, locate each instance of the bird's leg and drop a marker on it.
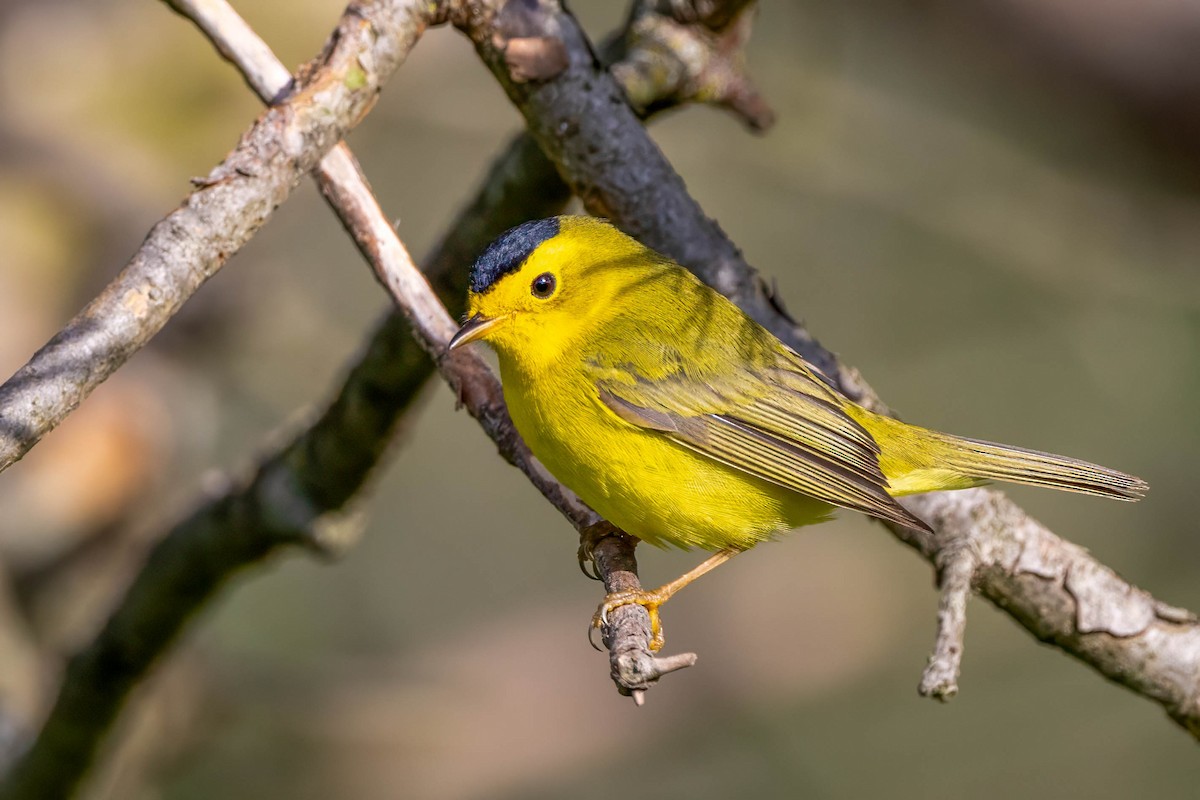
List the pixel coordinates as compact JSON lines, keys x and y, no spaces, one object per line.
{"x":651,"y":600}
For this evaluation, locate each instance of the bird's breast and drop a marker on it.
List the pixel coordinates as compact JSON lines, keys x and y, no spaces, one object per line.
{"x":640,"y":480}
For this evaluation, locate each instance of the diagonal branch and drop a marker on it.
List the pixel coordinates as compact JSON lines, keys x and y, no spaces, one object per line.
{"x":290,"y":496}
{"x":226,"y":208}
{"x":666,"y":61}
{"x":1058,"y":591}
{"x":1096,"y":615}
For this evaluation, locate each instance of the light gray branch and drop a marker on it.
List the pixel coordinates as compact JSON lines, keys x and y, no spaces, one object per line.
{"x":956,"y":566}
{"x":227,"y":207}
{"x":239,"y":44}
{"x":289,"y":497}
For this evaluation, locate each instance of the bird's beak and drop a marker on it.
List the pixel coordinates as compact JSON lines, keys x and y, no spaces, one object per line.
{"x":472,"y":329}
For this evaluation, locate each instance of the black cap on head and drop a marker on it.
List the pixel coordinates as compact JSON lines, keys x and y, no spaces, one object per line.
{"x":509,"y":252}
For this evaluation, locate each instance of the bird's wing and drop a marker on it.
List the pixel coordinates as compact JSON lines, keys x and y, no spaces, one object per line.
{"x":778,"y":422}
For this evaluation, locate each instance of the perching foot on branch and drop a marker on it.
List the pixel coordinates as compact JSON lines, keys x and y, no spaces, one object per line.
{"x":634,"y":667}
{"x":653,"y":599}
{"x":589,"y":538}
{"x":649,"y":600}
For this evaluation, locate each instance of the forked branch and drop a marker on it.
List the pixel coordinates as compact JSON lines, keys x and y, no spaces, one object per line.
{"x":289,"y":498}
{"x":600,"y":150}
{"x":227,"y":207}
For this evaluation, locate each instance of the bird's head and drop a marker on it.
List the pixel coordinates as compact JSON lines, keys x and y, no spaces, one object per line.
{"x":543,"y":282}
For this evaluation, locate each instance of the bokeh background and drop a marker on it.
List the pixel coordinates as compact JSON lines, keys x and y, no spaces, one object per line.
{"x":991,"y":208}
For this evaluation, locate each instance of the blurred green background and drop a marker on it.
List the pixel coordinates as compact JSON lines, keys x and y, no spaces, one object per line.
{"x":993,"y":211}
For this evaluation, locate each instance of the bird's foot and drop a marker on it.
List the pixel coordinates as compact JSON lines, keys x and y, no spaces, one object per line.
{"x":589,"y":538}
{"x":649,"y":600}
{"x":587,"y":558}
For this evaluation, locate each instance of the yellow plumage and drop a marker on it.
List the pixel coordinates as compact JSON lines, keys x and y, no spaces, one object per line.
{"x":684,"y":422}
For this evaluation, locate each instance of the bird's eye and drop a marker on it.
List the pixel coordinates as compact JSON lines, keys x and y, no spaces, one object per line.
{"x":543,"y":286}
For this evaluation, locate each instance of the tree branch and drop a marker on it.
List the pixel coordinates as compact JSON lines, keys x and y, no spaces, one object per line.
{"x":684,"y":51}
{"x":1099,"y":613}
{"x":228,"y":206}
{"x":290,"y":496}
{"x":633,"y":667}
{"x":679,"y":58}
{"x":1058,"y":591}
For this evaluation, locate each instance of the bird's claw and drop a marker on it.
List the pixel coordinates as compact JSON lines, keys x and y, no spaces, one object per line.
{"x":588,"y":539}
{"x":587,"y":563}
{"x":651,"y":601}
{"x":592,"y":639}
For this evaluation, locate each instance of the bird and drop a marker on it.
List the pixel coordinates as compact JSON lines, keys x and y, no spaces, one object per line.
{"x":682,"y":421}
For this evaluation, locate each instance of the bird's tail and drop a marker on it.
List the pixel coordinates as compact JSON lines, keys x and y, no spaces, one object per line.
{"x":919,"y":460}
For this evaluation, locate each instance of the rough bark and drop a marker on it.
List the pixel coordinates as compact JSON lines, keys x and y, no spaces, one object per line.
{"x":227,"y":207}
{"x":291,"y":497}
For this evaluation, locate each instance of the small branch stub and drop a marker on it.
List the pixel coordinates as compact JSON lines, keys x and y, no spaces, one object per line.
{"x":940,"y":679}
{"x":535,"y":58}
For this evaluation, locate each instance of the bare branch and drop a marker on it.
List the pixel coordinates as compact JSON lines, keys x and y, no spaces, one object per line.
{"x":1065,"y":597}
{"x":228,"y":207}
{"x":940,"y":679}
{"x":1058,"y":591}
{"x":687,"y":51}
{"x":239,"y":44}
{"x":477,"y":387}
{"x":290,"y":497}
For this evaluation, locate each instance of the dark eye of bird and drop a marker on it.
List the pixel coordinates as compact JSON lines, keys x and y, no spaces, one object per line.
{"x":543,"y":285}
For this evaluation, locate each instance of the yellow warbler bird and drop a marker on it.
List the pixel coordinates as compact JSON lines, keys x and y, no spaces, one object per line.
{"x":684,"y":422}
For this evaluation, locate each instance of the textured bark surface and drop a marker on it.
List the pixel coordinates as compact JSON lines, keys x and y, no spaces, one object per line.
{"x":225,"y":210}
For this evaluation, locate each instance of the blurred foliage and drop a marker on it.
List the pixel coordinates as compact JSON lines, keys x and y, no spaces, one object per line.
{"x":977,"y":207}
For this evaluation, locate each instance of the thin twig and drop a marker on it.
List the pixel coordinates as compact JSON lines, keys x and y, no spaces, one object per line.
{"x":634,"y":668}
{"x":468,"y":374}
{"x":239,"y":44}
{"x":227,"y":207}
{"x":286,"y":501}
{"x":684,"y":51}
{"x":940,"y":679}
